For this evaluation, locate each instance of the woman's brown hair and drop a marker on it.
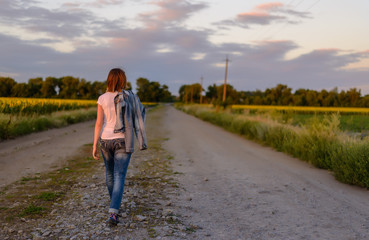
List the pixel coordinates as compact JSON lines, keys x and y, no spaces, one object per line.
{"x":117,"y":80}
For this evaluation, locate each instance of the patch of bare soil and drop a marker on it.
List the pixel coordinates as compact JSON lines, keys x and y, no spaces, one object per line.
{"x":42,"y":151}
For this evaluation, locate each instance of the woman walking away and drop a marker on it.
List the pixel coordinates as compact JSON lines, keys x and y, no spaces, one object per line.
{"x":120,"y":115}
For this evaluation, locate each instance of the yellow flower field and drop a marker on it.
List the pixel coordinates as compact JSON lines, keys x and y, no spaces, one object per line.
{"x":20,"y":116}
{"x":37,"y":106}
{"x":304,"y":109}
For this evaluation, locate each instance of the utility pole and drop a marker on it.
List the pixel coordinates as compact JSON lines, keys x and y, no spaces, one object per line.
{"x":201,"y":90}
{"x":186,"y":94}
{"x":225,"y":80}
{"x":191,"y":93}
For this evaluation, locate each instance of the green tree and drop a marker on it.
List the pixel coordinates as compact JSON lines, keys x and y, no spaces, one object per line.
{"x":152,"y":91}
{"x":190,"y":93}
{"x":322,"y":97}
{"x":69,"y":87}
{"x":245,"y":97}
{"x":34,"y":87}
{"x":279,"y":95}
{"x":332,"y":98}
{"x":184,"y":93}
{"x":232,"y":96}
{"x":299,"y":98}
{"x":353,"y":96}
{"x":212,"y":93}
{"x":142,"y":88}
{"x":97,"y":88}
{"x":6,"y":85}
{"x":48,"y":87}
{"x":129,"y":86}
{"x":84,"y":89}
{"x":311,"y":98}
{"x":166,"y":95}
{"x":20,"y":90}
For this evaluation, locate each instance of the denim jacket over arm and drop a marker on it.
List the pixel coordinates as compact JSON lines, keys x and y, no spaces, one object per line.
{"x":130,"y":119}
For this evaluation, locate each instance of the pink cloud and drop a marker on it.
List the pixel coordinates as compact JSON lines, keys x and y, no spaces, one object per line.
{"x":261,"y":13}
{"x":269,"y":6}
{"x":264,"y":14}
{"x":71,"y":5}
{"x":119,"y":42}
{"x":261,"y":18}
{"x":96,"y":3}
{"x":102,"y":3}
{"x":252,"y":14}
{"x":169,"y":11}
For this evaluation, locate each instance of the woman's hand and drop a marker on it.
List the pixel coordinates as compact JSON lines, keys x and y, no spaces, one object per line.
{"x":95,"y":153}
{"x":98,"y":127}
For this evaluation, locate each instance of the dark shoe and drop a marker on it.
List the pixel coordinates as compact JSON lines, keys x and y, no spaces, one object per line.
{"x":113,"y":219}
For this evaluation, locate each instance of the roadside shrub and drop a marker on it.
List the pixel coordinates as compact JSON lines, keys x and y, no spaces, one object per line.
{"x":351,"y":162}
{"x":319,"y":142}
{"x":13,"y":126}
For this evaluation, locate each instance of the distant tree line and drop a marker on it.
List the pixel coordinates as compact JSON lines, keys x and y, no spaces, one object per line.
{"x":152,"y":91}
{"x":69,"y":87}
{"x":279,"y":95}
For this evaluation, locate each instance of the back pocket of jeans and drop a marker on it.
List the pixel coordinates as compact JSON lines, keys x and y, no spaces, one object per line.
{"x":120,"y":144}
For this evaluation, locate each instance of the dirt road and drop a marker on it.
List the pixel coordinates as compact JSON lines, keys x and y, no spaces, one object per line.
{"x":236,"y":189}
{"x":42,"y":151}
{"x":230,"y":188}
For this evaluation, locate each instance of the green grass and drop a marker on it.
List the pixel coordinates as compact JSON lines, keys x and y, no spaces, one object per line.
{"x":12,"y":126}
{"x":348,"y":122}
{"x":152,"y":233}
{"x":319,"y":141}
{"x":351,"y":163}
{"x":49,"y":196}
{"x":32,"y":210}
{"x":26,"y":179}
{"x":352,"y":123}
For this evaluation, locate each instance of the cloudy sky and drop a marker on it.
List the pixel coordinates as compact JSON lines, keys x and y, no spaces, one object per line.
{"x":311,"y":44}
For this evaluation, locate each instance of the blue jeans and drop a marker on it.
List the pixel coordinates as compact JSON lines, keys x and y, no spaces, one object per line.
{"x":116,"y":164}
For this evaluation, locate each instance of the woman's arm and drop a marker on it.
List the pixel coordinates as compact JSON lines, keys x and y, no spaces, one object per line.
{"x":98,"y":126}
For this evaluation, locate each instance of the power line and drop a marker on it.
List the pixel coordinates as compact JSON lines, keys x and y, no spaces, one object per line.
{"x":290,"y":2}
{"x":225,"y":80}
{"x":201,"y":90}
{"x":299,"y":3}
{"x":313,"y":5}
{"x":271,"y":26}
{"x":284,"y":25}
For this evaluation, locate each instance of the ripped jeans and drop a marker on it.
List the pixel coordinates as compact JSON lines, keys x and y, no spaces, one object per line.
{"x":116,"y":164}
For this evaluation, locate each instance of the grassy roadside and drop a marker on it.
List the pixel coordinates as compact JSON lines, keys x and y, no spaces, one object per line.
{"x":355,"y":122}
{"x":320,"y":142}
{"x":12,"y":125}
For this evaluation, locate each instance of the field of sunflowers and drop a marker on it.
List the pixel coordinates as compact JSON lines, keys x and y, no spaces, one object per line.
{"x":39,"y":106}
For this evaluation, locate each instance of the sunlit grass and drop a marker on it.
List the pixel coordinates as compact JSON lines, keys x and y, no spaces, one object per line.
{"x":38,"y":106}
{"x":304,"y":109}
{"x":17,"y":125}
{"x":319,"y":141}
